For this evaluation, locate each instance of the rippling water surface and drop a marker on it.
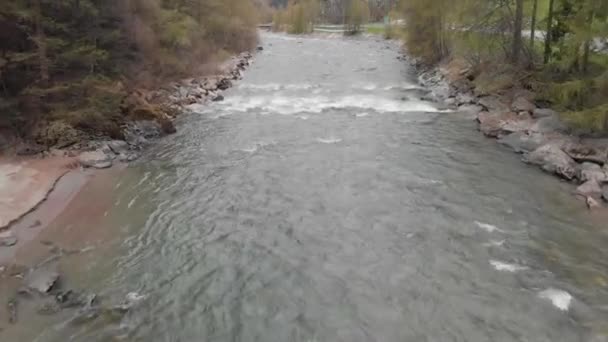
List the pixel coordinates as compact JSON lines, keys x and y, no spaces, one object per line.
{"x":323,"y":201}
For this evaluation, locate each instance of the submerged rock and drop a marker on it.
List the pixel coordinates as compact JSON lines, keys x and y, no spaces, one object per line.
{"x":11,"y":308}
{"x":218,"y":98}
{"x":552,"y":159}
{"x":42,"y":279}
{"x":592,"y":203}
{"x":8,"y":239}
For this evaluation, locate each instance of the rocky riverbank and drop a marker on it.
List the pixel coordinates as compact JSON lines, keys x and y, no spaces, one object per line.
{"x":149,"y":116}
{"x":515,"y":120}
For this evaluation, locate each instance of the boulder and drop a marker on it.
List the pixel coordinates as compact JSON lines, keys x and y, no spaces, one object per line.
{"x":585,"y":153}
{"x":42,"y":279}
{"x":493,"y":104}
{"x":218,"y":98}
{"x":224,"y":84}
{"x":166,"y":126}
{"x":464,"y":99}
{"x":589,"y":188}
{"x":210,"y":84}
{"x":549,"y":124}
{"x":552,"y":159}
{"x":118,"y":146}
{"x":543,"y":112}
{"x":522,"y":142}
{"x":95,"y":159}
{"x":592,"y":172}
{"x":497,"y":124}
{"x":521,"y":104}
{"x":605,"y":193}
{"x":145,"y":128}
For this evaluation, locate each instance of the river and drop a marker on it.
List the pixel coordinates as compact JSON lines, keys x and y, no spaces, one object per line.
{"x":323,"y":201}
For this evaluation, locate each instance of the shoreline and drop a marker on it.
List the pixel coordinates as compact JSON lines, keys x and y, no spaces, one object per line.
{"x":515,"y":121}
{"x":39,"y":187}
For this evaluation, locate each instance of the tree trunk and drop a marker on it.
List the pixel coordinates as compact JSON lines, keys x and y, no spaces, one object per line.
{"x":533,"y":26}
{"x":587,"y":46}
{"x":517,"y":42}
{"x":548,"y":33}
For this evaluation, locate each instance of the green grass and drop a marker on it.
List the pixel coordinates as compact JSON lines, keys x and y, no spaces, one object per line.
{"x":375,"y":29}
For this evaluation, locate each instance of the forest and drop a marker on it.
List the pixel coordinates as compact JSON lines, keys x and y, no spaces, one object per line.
{"x":555,"y":48}
{"x":66,"y":65}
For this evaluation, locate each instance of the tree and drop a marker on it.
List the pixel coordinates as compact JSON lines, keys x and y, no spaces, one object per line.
{"x":548,"y":34}
{"x":517,"y":40}
{"x":533,"y":24}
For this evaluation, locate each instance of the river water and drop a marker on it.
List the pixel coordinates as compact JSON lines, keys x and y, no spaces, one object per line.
{"x":323,"y":201}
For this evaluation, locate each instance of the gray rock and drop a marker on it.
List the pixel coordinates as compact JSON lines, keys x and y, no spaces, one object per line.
{"x":260,"y":48}
{"x":95,"y":159}
{"x":605,"y":193}
{"x":497,"y":124}
{"x":137,"y":133}
{"x":589,"y":188}
{"x":118,"y":146}
{"x":592,"y":203}
{"x":543,"y":112}
{"x":42,"y":279}
{"x":7,"y":239}
{"x":218,"y":98}
{"x":522,"y":142}
{"x":224,"y":84}
{"x":492,"y":103}
{"x":586,"y":153}
{"x":521,"y":104}
{"x":549,"y":124}
{"x":464,"y":99}
{"x":592,"y":172}
{"x":552,"y":159}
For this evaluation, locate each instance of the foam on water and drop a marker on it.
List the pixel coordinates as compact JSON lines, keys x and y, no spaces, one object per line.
{"x":506,"y":267}
{"x":487,"y":227}
{"x":316,"y":104}
{"x":559,"y":298}
{"x":494,"y":243}
{"x":330,"y":140}
{"x":277,"y":87}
